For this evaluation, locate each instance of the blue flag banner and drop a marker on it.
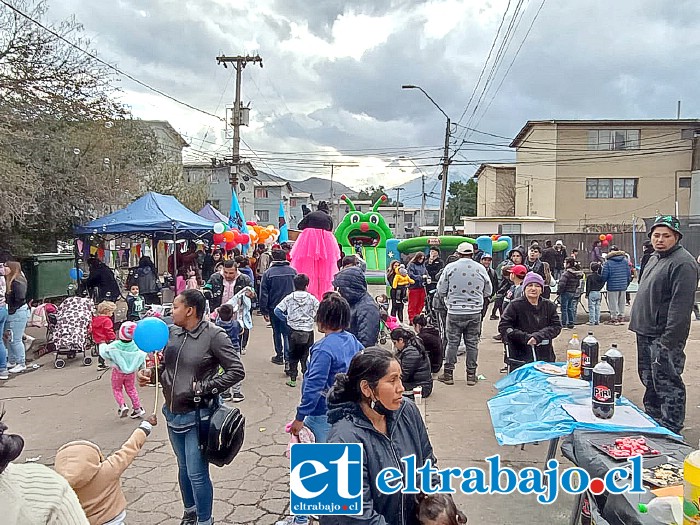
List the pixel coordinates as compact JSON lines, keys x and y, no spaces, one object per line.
{"x":284,"y":229}
{"x":236,"y":219}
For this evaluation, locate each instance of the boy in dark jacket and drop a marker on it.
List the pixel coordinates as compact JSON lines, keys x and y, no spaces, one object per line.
{"x":364,"y":312}
{"x":134,"y":304}
{"x":233,"y":329}
{"x":594,"y":285}
{"x":277,"y":283}
{"x":566,"y":287}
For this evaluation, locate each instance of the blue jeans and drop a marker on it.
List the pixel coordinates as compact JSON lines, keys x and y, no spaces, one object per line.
{"x":193,"y":468}
{"x":594,"y":300}
{"x":3,"y":350}
{"x":280,"y":337}
{"x":568,"y":312}
{"x":319,"y":426}
{"x":16,"y":323}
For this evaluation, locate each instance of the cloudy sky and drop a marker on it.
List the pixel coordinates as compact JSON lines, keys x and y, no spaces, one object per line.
{"x":330,"y":89}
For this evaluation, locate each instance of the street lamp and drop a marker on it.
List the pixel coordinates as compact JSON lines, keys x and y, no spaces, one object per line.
{"x":445,"y":159}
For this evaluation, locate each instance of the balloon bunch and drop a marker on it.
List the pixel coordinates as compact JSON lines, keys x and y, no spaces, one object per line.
{"x":262,"y":234}
{"x":605,"y":239}
{"x":228,"y":238}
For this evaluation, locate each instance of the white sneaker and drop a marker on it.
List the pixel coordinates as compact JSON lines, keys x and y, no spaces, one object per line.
{"x":11,"y":365}
{"x":123,"y":411}
{"x":137,"y":413}
{"x":17,"y":369}
{"x":4,"y":375}
{"x":242,"y":351}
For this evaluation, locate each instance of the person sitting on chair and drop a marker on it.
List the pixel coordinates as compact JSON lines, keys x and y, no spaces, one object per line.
{"x":530,"y":321}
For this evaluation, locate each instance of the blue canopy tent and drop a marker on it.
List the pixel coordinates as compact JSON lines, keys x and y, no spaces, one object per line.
{"x":211,"y":213}
{"x":160,"y":216}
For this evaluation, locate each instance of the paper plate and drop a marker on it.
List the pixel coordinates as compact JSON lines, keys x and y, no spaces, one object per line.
{"x":568,"y":382}
{"x":549,"y":368}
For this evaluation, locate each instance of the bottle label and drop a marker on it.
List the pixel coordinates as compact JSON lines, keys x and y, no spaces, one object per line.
{"x":602,"y":393}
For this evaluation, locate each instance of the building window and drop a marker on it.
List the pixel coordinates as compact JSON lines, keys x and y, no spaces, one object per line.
{"x":611,"y":188}
{"x":261,"y":193}
{"x":408,"y":217}
{"x":613,"y":139}
{"x":293,"y":203}
{"x":263,"y":215}
{"x":684,"y":182}
{"x":392,"y":225}
{"x":510,"y":229}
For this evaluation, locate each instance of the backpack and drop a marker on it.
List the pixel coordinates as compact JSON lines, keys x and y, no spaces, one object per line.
{"x":221,"y":434}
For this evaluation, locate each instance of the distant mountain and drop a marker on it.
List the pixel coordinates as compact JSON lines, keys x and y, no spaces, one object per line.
{"x":411,"y":194}
{"x":321,"y":188}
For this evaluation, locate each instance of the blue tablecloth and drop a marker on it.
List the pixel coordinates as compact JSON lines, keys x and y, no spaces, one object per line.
{"x":527,"y":408}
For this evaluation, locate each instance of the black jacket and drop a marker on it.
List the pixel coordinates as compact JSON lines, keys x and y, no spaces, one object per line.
{"x":214,"y":289}
{"x":16,"y":296}
{"x":494,"y":279}
{"x":415,"y":368}
{"x":594,"y":283}
{"x":406,"y":435}
{"x":433,"y":268}
{"x":102,"y":278}
{"x":430,"y":336}
{"x":549,"y":256}
{"x":665,"y":297}
{"x":569,"y":281}
{"x":318,"y":219}
{"x":522,"y":320}
{"x":277,"y":283}
{"x":643,"y":263}
{"x":364,"y":312}
{"x":194,"y":358}
{"x":146,"y":278}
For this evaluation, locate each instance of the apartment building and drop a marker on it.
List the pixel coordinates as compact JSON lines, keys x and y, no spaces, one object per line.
{"x":495,"y":190}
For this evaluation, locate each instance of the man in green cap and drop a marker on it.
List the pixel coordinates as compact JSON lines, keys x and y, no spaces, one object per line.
{"x":661,"y":319}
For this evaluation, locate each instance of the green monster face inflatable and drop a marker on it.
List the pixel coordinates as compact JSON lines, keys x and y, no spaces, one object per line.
{"x":369,"y":228}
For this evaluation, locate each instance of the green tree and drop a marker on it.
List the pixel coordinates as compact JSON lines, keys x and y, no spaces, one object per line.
{"x":461,"y":202}
{"x":372,"y":193}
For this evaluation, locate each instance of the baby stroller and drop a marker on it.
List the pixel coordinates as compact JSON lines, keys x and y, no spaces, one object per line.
{"x":68,"y":330}
{"x":383,"y":312}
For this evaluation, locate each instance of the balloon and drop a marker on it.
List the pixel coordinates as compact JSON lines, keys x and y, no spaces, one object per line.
{"x":229,"y":236}
{"x":230,"y":245}
{"x":244,"y":238}
{"x":151,"y":334}
{"x":270,"y":227}
{"x":601,"y":236}
{"x":253,"y":235}
{"x":218,"y":238}
{"x":608,"y":237}
{"x":252,"y":223}
{"x":219,"y":227}
{"x":263,"y":235}
{"x":76,"y":274}
{"x":605,"y":243}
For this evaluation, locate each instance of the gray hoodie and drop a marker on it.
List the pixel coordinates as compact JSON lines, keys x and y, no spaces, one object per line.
{"x":464,"y":284}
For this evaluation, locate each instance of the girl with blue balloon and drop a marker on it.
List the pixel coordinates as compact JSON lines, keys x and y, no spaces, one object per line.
{"x":195,"y":349}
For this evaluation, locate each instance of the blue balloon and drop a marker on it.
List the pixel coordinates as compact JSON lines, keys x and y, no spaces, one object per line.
{"x":76,"y":273}
{"x":151,"y":334}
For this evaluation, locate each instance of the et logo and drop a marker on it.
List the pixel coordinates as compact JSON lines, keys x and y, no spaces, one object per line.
{"x":326,"y":478}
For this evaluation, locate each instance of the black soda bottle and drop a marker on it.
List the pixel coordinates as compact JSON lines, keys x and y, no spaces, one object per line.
{"x":589,"y":356}
{"x":586,"y":510}
{"x":603,"y":391}
{"x":616,"y":360}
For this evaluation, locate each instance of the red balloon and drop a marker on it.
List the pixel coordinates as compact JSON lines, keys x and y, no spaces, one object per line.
{"x":230,"y":245}
{"x":229,"y":236}
{"x":608,"y":237}
{"x":244,"y":238}
{"x":606,"y":243}
{"x":252,"y":223}
{"x":218,"y":238}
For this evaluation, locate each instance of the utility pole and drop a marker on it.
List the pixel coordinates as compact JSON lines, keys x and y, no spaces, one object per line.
{"x":423,"y":197}
{"x":398,"y":192}
{"x":443,"y":192}
{"x":239,"y":62}
{"x":335,"y":202}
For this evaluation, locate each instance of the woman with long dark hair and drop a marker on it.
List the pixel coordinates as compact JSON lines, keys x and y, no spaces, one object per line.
{"x":414,"y":360}
{"x":193,"y":357}
{"x":367,"y":406}
{"x":18,"y":311}
{"x":431,"y":339}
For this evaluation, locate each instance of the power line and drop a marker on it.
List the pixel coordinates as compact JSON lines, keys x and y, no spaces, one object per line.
{"x":107,"y":64}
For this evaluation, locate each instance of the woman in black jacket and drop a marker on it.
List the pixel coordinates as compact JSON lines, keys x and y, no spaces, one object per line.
{"x":102,"y":278}
{"x":430,"y":337}
{"x":191,"y":383}
{"x":414,"y":360}
{"x":146,"y":277}
{"x":367,"y":406}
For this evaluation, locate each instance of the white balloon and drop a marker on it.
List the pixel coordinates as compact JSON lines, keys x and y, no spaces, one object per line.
{"x":219,"y":227}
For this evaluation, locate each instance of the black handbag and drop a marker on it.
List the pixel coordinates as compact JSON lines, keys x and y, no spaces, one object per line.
{"x":221,"y":433}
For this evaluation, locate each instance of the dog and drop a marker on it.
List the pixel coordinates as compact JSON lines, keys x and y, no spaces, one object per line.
{"x":438,"y":509}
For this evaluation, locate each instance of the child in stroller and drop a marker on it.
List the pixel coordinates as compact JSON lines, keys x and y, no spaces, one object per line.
{"x":387,"y":322}
{"x":67,"y":331}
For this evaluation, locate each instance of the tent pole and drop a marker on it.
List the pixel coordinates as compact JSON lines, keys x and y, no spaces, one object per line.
{"x":175,"y":258}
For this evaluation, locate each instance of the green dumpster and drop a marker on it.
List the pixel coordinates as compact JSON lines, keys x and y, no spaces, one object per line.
{"x":48,"y":275}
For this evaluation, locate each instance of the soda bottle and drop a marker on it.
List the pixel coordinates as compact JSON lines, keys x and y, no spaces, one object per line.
{"x":691,"y":488}
{"x":585,"y":510}
{"x":603,"y":391}
{"x":616,"y":360}
{"x":589,"y":356}
{"x":573,"y":363}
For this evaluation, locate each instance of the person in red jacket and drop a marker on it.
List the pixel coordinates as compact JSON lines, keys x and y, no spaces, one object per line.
{"x":102,"y":328}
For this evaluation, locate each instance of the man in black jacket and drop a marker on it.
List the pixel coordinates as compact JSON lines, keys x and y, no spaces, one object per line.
{"x":277,"y":283}
{"x":221,"y":287}
{"x":661,"y":319}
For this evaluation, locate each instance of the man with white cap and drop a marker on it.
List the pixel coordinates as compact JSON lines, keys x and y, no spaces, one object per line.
{"x":661,"y":319}
{"x":464,"y":284}
{"x":559,"y":258}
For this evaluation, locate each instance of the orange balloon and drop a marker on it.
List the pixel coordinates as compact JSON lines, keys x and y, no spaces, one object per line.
{"x":601,"y":236}
{"x":229,"y":236}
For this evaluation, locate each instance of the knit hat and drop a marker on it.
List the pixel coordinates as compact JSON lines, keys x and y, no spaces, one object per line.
{"x":533,"y":277}
{"x":670,"y":222}
{"x":126,"y":331}
{"x":519,"y":270}
{"x":465,"y":248}
{"x":403,"y":271}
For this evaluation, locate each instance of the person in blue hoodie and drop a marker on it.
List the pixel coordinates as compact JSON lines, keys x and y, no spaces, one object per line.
{"x":617,"y":276}
{"x":232,"y":327}
{"x":364,"y":312}
{"x":329,"y":356}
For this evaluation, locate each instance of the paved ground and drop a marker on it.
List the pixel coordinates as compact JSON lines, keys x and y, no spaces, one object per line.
{"x":254,"y":488}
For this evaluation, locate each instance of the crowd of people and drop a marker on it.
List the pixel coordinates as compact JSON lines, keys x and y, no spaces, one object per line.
{"x":352,"y":389}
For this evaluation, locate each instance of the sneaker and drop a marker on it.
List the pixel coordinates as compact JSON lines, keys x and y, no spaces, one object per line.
{"x":293,"y":520}
{"x":105,"y":367}
{"x":277,"y":360}
{"x":497,"y":337}
{"x":137,"y":413}
{"x":471,"y":379}
{"x":291,"y":382}
{"x":493,"y":318}
{"x":226,"y":396}
{"x":11,"y":365}
{"x":4,"y":375}
{"x":238,"y":397}
{"x":123,"y":410}
{"x":17,"y":369}
{"x":504,"y":370}
{"x":189,"y":518}
{"x":243,"y":351}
